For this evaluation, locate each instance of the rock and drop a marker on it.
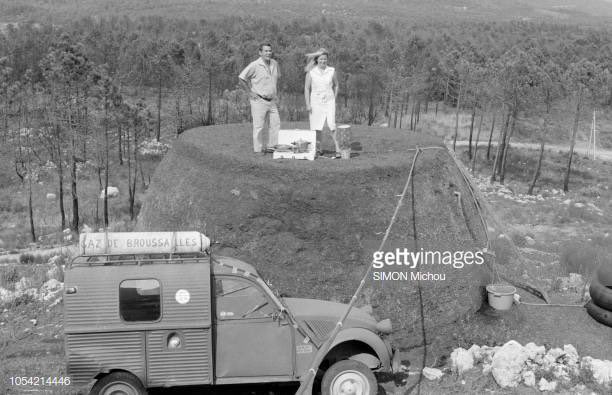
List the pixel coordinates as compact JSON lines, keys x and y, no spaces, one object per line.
{"x":545,"y":385}
{"x":461,"y":360}
{"x":432,"y":373}
{"x":571,"y":357}
{"x":52,"y":285}
{"x":235,"y":192}
{"x":534,"y":352}
{"x":561,"y":372}
{"x":601,"y":370}
{"x":51,"y":196}
{"x":34,"y":321}
{"x":551,"y":357}
{"x":529,"y":378}
{"x":508,"y":363}
{"x":112,"y":192}
{"x":6,"y":296}
{"x":53,"y":272}
{"x":579,"y":205}
{"x":23,"y":285}
{"x":477,"y":353}
{"x":530,"y":241}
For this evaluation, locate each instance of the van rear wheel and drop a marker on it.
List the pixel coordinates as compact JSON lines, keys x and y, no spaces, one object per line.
{"x":118,"y":383}
{"x":349,"y":377}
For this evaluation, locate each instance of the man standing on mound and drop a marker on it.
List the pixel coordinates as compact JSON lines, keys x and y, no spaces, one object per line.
{"x":259,"y":80}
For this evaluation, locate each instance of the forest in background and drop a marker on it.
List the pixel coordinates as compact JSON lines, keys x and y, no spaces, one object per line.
{"x":92,"y":91}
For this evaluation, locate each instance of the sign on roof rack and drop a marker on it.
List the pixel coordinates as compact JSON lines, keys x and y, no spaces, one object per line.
{"x":126,"y":243}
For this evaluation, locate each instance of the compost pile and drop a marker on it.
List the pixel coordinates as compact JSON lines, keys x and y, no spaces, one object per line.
{"x":311,"y":227}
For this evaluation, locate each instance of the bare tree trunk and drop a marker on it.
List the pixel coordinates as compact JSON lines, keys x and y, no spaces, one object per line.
{"x":536,"y":174}
{"x":159,"y":104}
{"x":500,"y":141}
{"x":106,"y":151}
{"x":457,"y":118}
{"x":446,"y":90}
{"x":471,"y":132}
{"x":209,"y":118}
{"x":120,"y":141}
{"x":503,"y":141}
{"x":436,"y":113}
{"x":60,"y":176}
{"x":31,"y":209}
{"x":491,"y":135}
{"x":572,"y":142}
{"x":73,"y":192}
{"x":502,"y":174}
{"x":179,"y":117}
{"x":477,"y":140}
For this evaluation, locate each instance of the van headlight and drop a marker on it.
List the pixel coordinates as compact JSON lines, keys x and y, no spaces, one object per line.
{"x":384,"y":326}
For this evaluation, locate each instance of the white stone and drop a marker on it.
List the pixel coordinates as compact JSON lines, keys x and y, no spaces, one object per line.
{"x":51,"y":196}
{"x":568,"y":201}
{"x":477,"y":353}
{"x":530,"y":241}
{"x":112,"y":192}
{"x":535,"y":352}
{"x":508,"y":363}
{"x":529,"y":378}
{"x":6,"y":296}
{"x":461,"y":360}
{"x":551,"y":358}
{"x":22,"y":285}
{"x":579,"y":205}
{"x":432,"y":373}
{"x":571,"y":357}
{"x":601,"y":370}
{"x":53,"y":272}
{"x":544,"y":385}
{"x":235,"y":192}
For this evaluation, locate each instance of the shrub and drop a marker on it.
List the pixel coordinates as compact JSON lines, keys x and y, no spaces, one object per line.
{"x":27,"y":258}
{"x":9,"y":276}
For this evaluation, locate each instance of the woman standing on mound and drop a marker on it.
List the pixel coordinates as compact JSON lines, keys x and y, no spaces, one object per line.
{"x":320,"y":91}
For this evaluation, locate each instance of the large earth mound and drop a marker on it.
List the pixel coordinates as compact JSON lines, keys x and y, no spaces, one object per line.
{"x":311,"y":228}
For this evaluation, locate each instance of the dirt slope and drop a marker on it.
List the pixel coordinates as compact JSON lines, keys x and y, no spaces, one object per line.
{"x":311,"y":227}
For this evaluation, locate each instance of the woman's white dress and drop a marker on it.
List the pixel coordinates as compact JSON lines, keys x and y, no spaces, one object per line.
{"x":322,"y":98}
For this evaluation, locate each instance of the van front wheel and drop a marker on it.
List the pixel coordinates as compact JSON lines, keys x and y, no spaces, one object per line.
{"x":349,"y":377}
{"x":118,"y":383}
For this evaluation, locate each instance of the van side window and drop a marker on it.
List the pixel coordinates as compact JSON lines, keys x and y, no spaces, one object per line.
{"x":240,"y":299}
{"x":139,"y":300}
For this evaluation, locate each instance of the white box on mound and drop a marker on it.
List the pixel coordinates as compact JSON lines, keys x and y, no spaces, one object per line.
{"x":289,"y":137}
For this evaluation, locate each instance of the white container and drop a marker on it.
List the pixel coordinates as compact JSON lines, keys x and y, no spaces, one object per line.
{"x":501,"y":296}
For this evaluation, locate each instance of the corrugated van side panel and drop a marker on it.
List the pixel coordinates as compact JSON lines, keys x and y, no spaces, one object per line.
{"x":190,"y":365}
{"x":92,"y":353}
{"x":192,"y":280}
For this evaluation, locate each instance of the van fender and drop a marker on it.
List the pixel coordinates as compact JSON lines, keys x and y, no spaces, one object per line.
{"x":369,"y":338}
